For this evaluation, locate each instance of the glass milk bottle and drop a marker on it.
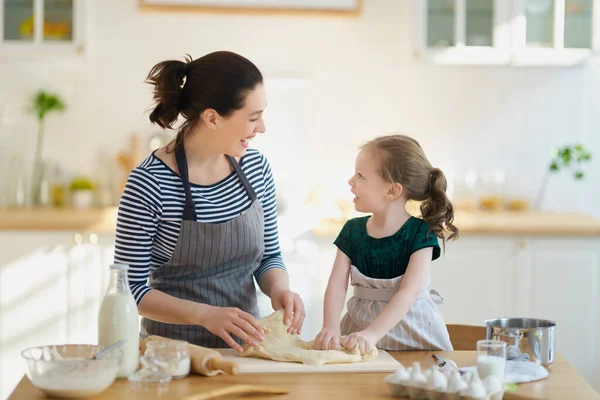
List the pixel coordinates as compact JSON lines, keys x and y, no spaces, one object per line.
{"x":118,"y":319}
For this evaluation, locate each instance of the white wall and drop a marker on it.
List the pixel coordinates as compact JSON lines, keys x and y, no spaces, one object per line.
{"x":361,"y":82}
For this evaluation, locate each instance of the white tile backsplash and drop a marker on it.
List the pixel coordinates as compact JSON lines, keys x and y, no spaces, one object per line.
{"x":359,"y":81}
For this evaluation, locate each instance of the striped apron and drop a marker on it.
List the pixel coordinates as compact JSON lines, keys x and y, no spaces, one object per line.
{"x":422,"y":328}
{"x":212,"y":263}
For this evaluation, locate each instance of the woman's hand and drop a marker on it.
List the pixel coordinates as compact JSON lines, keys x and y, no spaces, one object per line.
{"x":292,"y":306}
{"x":224,"y":321}
{"x":364,"y":339}
{"x":327,"y":339}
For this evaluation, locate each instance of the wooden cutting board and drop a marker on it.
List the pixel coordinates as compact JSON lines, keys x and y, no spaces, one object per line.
{"x":251,"y":365}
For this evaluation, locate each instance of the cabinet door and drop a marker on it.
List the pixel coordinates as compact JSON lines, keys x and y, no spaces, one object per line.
{"x":476,"y":277}
{"x":553,"y":32}
{"x":18,"y":23}
{"x":462,"y":31}
{"x":42,"y":26}
{"x":33,"y":299}
{"x":563,"y":277}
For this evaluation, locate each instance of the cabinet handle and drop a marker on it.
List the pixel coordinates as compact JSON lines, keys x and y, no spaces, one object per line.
{"x":522,"y":243}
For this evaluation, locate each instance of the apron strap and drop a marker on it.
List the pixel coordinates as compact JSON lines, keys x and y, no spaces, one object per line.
{"x":243,"y":178}
{"x":374,"y":294}
{"x":189,"y":208}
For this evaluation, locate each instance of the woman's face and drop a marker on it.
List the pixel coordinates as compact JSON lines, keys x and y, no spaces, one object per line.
{"x":237,"y":130}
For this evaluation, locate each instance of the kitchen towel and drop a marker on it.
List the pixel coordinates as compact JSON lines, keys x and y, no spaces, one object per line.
{"x":518,"y":371}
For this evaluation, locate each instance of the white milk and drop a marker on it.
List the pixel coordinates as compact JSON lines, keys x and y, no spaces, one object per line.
{"x":491,"y":365}
{"x":74,"y":386}
{"x":118,"y":319}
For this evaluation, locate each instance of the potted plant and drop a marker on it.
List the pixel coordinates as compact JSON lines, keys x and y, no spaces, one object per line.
{"x":43,"y":103}
{"x":82,"y":191}
{"x":565,"y":157}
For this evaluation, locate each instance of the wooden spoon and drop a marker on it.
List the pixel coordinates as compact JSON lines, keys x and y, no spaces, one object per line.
{"x":211,"y":394}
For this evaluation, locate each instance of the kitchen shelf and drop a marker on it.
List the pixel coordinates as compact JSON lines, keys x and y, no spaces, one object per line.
{"x":524,"y":223}
{"x":508,"y":223}
{"x":96,"y":220}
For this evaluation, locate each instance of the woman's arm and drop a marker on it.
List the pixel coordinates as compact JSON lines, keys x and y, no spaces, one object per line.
{"x":140,"y":211}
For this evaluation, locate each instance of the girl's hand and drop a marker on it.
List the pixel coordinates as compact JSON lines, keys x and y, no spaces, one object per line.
{"x":292,"y":306}
{"x":224,"y":321}
{"x":364,"y":339}
{"x":327,"y":339}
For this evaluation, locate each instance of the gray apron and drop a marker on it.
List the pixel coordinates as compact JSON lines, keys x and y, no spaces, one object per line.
{"x":212,"y":263}
{"x":422,"y":328}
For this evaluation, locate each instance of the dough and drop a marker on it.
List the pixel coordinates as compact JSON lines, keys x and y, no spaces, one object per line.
{"x":280,"y":345}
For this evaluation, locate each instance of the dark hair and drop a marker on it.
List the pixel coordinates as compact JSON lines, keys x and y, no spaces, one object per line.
{"x":402,"y":160}
{"x":218,"y":80}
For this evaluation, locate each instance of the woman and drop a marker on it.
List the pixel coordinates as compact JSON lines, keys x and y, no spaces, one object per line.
{"x":198,"y":217}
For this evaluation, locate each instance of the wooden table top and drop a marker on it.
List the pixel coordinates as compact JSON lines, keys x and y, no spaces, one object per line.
{"x":563,"y":383}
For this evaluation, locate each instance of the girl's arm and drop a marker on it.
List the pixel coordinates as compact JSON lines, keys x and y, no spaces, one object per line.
{"x":335,"y":295}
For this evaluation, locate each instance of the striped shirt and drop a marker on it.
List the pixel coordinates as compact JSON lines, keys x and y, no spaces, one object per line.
{"x":151,"y":207}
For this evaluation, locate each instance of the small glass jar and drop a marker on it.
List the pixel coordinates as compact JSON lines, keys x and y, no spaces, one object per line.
{"x":173,"y":354}
{"x":152,"y":377}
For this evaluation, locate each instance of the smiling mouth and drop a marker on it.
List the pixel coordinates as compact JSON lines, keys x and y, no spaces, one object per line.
{"x":246,"y":141}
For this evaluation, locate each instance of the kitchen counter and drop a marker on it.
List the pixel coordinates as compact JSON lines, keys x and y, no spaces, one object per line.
{"x":97,"y":220}
{"x":563,"y":383}
{"x":524,"y":223}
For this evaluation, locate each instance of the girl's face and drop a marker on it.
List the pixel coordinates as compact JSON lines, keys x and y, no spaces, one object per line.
{"x":237,"y":130}
{"x":371,"y":191}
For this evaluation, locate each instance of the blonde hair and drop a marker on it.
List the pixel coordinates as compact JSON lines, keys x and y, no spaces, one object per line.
{"x":403,"y":161}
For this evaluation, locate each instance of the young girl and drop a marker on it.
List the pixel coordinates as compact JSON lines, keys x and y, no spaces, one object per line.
{"x":388,"y":254}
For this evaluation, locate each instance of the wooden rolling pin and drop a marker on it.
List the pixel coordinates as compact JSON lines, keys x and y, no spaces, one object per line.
{"x":204,"y":361}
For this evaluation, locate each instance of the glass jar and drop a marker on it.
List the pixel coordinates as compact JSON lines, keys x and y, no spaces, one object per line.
{"x":173,"y":354}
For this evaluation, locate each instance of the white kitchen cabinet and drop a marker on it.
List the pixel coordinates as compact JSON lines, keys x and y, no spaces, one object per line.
{"x":51,"y":286}
{"x":506,"y":32}
{"x":560,"y":279}
{"x":35,"y":28}
{"x":486,"y":277}
{"x":476,"y":278}
{"x":462,"y":31}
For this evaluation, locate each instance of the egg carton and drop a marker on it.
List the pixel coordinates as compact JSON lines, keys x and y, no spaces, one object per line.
{"x":447,"y":384}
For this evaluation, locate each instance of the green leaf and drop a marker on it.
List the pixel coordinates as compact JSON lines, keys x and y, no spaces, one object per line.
{"x":579,"y":175}
{"x":44,"y":102}
{"x":554,"y":166}
{"x":566,"y":156}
